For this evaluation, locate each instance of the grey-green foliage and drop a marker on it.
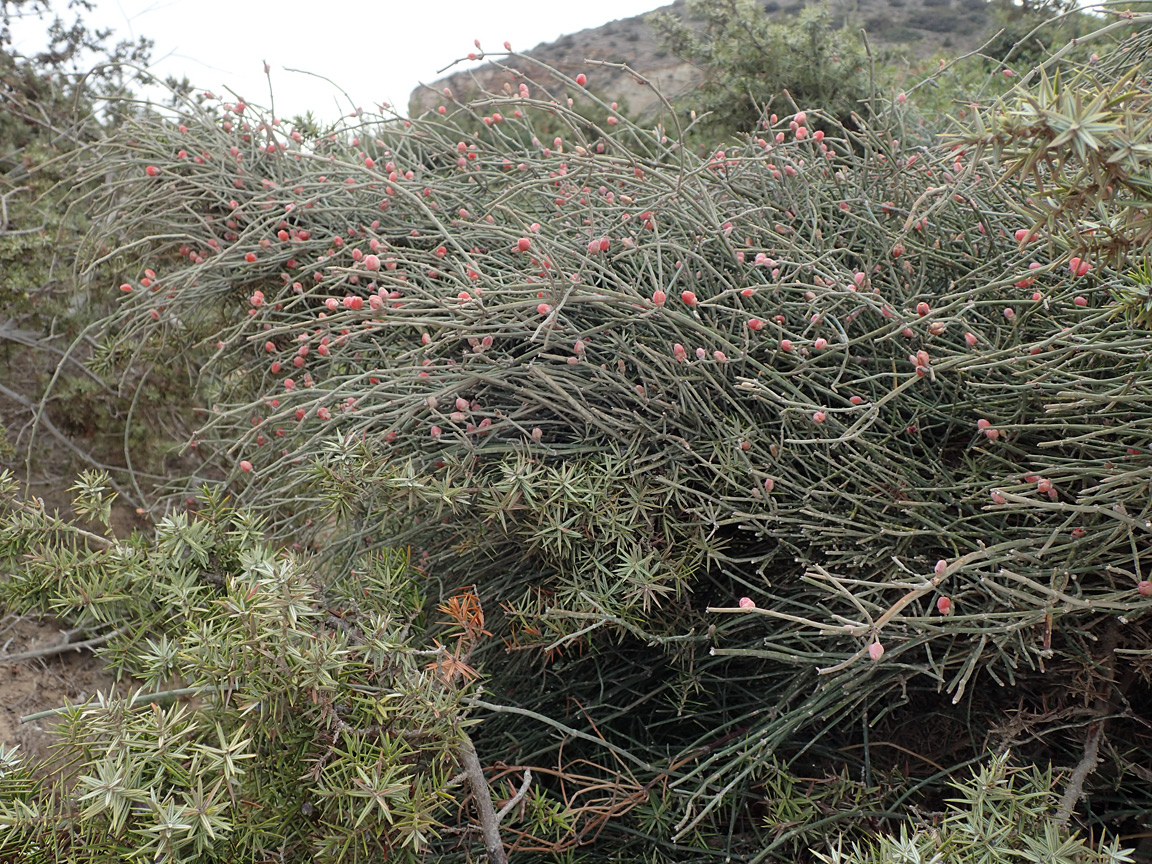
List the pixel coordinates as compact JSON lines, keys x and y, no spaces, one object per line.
{"x":873,"y":390}
{"x":1003,"y":814}
{"x":311,"y":737}
{"x":750,"y":60}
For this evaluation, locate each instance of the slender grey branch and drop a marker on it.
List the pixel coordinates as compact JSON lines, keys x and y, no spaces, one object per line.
{"x":61,"y":647}
{"x":1075,"y":787}
{"x":11,"y":333}
{"x":66,"y":441}
{"x":489,"y":821}
{"x":136,"y":700}
{"x":517,"y":798}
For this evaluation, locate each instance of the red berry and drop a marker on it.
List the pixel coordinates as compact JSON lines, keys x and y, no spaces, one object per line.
{"x":944,"y":605}
{"x":151,"y":170}
{"x":875,"y":651}
{"x":688,"y":297}
{"x":747,"y":603}
{"x":245,"y":466}
{"x":1144,"y":587}
{"x":523,"y":244}
{"x":581,"y":79}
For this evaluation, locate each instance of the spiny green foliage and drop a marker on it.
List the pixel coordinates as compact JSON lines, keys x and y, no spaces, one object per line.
{"x":1004,"y":814}
{"x":557,"y":424}
{"x":310,"y":738}
{"x":1076,"y":146}
{"x":751,"y":61}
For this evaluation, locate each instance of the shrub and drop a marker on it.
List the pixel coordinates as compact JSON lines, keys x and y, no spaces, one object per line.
{"x":309,"y":736}
{"x":1003,"y":814}
{"x":751,"y":62}
{"x":816,"y":372}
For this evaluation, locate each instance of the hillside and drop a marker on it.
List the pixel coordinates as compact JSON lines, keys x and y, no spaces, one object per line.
{"x":913,"y":28}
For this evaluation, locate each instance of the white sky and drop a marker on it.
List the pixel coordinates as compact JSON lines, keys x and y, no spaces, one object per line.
{"x":376,"y":51}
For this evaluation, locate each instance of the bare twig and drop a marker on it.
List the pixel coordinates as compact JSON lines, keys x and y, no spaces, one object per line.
{"x":61,"y":647}
{"x":517,"y":798}
{"x":136,"y":700}
{"x":1085,"y":767}
{"x":489,"y":821}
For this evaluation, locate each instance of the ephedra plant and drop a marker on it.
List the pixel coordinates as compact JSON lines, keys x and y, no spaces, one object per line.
{"x":812,"y":464}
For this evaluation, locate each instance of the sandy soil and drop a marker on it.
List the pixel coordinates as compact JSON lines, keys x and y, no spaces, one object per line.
{"x":39,"y":684}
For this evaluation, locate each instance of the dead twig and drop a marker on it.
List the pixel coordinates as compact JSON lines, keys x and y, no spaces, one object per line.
{"x":61,"y":647}
{"x":1085,"y":767}
{"x":517,"y":798}
{"x":489,"y":821}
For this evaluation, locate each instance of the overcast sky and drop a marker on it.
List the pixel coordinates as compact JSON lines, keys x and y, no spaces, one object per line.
{"x":376,"y":51}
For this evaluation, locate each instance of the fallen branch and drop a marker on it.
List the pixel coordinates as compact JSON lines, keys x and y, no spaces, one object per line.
{"x":60,"y":648}
{"x":162,"y":696}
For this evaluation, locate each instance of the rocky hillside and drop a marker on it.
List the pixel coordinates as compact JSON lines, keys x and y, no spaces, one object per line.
{"x":916,"y":28}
